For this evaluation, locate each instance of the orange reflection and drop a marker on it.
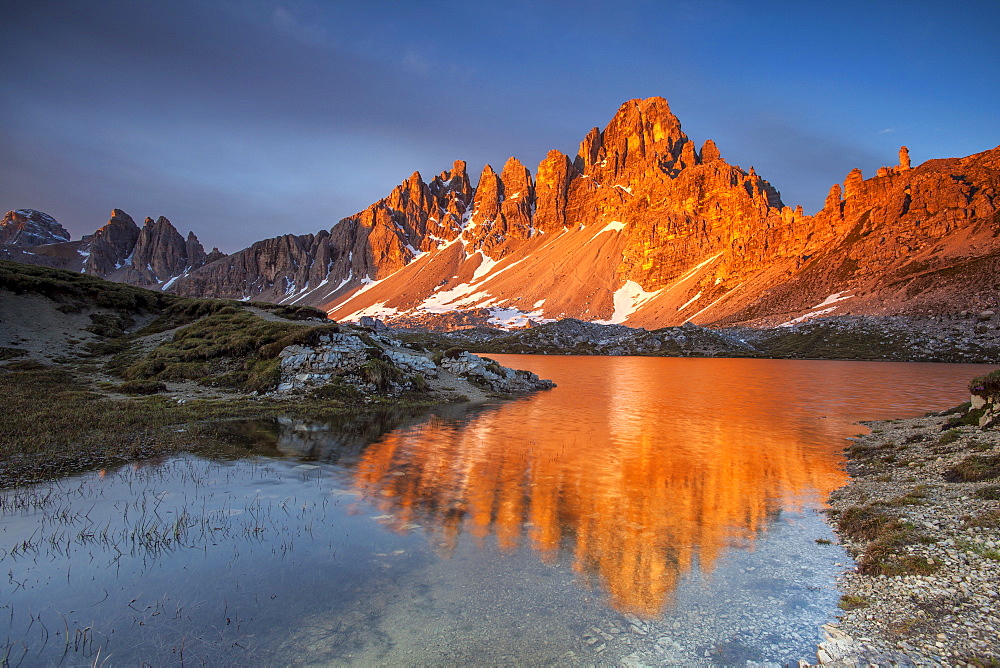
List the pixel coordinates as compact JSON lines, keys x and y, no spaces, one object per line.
{"x":634,"y":472}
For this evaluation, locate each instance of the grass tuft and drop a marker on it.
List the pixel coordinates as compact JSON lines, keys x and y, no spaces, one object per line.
{"x":990,"y":493}
{"x":886,"y":536}
{"x":853,"y":602}
{"x":10,"y":353}
{"x":974,"y":468}
{"x":949,"y":436}
{"x":141,"y":387}
{"x":381,"y":373}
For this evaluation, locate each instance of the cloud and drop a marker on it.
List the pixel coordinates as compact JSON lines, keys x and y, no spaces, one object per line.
{"x":283,"y":19}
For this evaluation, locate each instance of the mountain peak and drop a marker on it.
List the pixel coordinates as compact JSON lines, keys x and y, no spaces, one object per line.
{"x":28,"y":227}
{"x":642,"y":134}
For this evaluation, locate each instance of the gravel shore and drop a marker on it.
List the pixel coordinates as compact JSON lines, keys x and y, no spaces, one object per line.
{"x":921,"y":516}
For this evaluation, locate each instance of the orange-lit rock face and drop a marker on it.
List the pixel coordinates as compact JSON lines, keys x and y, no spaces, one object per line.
{"x":699,"y":238}
{"x":638,"y":490}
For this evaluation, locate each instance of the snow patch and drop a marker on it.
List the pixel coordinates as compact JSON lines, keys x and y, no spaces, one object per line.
{"x":807,"y":316}
{"x":833,"y":299}
{"x":379,"y":310}
{"x":507,"y":318}
{"x":628,"y":298}
{"x":171,"y":281}
{"x":485,"y":266}
{"x":613,"y":226}
{"x":538,"y":304}
{"x":690,"y":301}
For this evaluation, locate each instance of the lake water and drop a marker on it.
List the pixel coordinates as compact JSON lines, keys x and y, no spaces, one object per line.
{"x":646,"y":511}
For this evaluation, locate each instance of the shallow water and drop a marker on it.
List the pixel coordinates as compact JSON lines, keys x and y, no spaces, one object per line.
{"x":648,"y":510}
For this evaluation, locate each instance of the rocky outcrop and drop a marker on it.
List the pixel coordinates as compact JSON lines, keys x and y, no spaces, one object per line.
{"x":488,"y":373}
{"x":373,"y":363}
{"x":110,"y":247}
{"x":985,"y":400}
{"x":27,"y":227}
{"x":643,"y":228}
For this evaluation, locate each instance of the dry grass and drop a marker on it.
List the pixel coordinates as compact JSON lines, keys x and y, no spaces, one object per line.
{"x":886,"y":537}
{"x":229,"y":347}
{"x":853,"y":602}
{"x":990,"y":493}
{"x":975,"y":468}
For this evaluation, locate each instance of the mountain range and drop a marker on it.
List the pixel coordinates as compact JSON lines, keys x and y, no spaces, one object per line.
{"x":640,"y":227}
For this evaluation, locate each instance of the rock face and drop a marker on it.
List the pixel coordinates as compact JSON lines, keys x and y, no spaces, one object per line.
{"x":27,"y":227}
{"x":152,"y":256}
{"x":640,"y":227}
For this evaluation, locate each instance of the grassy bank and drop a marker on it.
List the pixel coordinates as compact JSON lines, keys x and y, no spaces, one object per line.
{"x":56,"y":423}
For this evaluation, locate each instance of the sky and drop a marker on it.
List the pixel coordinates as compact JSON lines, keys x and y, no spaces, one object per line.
{"x":247,"y":119}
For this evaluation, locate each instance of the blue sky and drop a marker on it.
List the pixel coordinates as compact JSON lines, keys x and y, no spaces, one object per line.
{"x":243,"y":120}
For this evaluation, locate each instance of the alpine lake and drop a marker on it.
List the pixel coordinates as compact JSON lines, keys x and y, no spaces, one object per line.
{"x":646,"y":511}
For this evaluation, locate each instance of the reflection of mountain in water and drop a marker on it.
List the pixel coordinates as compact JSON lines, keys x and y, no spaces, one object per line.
{"x":636,"y":497}
{"x":335,"y":439}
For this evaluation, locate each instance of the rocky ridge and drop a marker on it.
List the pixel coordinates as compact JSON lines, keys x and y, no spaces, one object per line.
{"x":154,"y":255}
{"x":968,"y":337}
{"x":641,"y":227}
{"x":921,"y":516}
